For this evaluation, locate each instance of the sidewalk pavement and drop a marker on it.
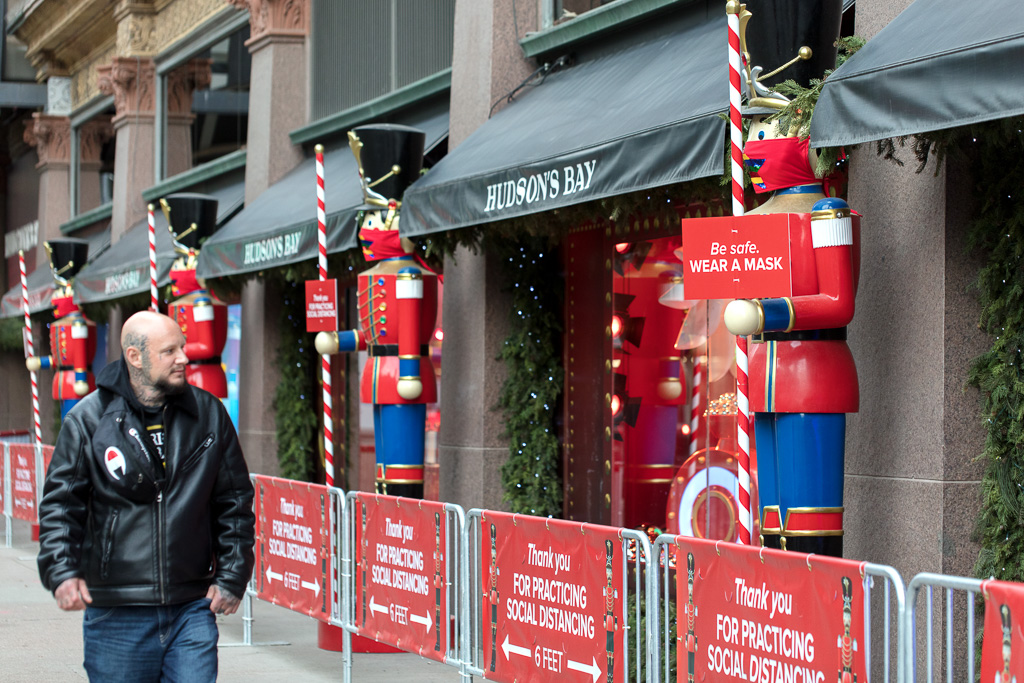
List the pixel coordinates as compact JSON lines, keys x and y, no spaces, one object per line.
{"x":39,"y":642}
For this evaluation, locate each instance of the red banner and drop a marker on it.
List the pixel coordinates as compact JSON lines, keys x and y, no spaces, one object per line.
{"x":736,"y":257}
{"x":401,"y":594}
{"x":552,"y":602}
{"x":23,"y":482}
{"x":321,"y":305}
{"x":1002,"y":650}
{"x":747,"y":614}
{"x":293,"y":537}
{"x":3,"y":485}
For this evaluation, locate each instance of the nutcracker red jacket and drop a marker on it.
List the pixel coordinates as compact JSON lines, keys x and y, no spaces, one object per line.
{"x":138,"y":538}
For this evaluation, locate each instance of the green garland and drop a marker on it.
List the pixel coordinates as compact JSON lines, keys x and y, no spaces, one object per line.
{"x":295,"y":414}
{"x":998,"y":234}
{"x":531,"y":477}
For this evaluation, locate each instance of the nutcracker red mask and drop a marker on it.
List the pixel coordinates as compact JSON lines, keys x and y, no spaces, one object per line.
{"x":778,"y":163}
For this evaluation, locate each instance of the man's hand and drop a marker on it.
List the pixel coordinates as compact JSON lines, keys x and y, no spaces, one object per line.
{"x":72,"y":595}
{"x":222,"y":601}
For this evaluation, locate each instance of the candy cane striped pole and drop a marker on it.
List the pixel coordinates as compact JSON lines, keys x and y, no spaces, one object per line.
{"x":154,"y":303}
{"x":325,"y":360}
{"x":695,"y":406}
{"x":30,"y":350}
{"x":732,"y":9}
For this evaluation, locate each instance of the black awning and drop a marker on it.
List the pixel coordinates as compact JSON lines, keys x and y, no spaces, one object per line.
{"x":939,"y":64}
{"x":123,"y":270}
{"x":629,"y":117}
{"x":279,"y":227}
{"x":40,"y":281}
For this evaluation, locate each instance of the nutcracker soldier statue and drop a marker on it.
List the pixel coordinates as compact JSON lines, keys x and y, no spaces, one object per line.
{"x":803,"y":379}
{"x":72,"y":335}
{"x":203,"y":318}
{"x":397,"y":309}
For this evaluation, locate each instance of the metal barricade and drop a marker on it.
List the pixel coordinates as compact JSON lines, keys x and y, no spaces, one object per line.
{"x":882,"y":652}
{"x":454,"y":580}
{"x":956,"y":653}
{"x":336,"y":570}
{"x":637,"y":643}
{"x":8,"y":512}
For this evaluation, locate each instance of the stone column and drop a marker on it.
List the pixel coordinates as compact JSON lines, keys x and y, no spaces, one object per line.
{"x":471,"y":448}
{"x":91,"y":135}
{"x":181,"y":84}
{"x":131,"y":81}
{"x":51,"y":136}
{"x":277,"y":105}
{"x":912,"y":491}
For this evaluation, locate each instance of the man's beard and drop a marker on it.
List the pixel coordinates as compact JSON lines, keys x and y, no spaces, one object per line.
{"x":164,"y":386}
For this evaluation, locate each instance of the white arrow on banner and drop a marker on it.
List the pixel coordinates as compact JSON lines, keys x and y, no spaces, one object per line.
{"x":592,"y":669}
{"x":315,"y":587}
{"x":507,"y":647}
{"x":374,"y":607}
{"x":273,"y":575}
{"x":426,"y":621}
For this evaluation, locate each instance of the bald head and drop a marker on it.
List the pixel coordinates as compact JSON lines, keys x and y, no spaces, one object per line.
{"x":138,"y":328}
{"x":154,"y":349}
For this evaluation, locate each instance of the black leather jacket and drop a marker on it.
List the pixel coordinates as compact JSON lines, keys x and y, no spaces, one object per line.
{"x":136,"y":538}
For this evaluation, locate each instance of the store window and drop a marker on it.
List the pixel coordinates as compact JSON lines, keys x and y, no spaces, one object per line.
{"x":203,"y":97}
{"x":664,"y":423}
{"x":565,"y":10}
{"x":364,"y":49}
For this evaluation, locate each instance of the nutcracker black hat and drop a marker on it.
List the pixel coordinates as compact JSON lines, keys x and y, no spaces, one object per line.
{"x":67,"y":257}
{"x":786,"y":39}
{"x":191,"y":217}
{"x":389,"y":157}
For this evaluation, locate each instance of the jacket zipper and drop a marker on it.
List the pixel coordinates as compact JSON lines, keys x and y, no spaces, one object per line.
{"x":160,"y":512}
{"x":108,"y":544}
{"x":160,"y":544}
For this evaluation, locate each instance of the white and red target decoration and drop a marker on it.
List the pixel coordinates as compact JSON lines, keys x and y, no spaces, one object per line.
{"x":702,"y":501}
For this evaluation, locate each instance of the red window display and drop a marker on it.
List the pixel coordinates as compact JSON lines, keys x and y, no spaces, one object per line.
{"x":669,"y":399}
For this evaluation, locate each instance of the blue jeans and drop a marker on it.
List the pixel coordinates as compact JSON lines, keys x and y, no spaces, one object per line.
{"x":175,"y":643}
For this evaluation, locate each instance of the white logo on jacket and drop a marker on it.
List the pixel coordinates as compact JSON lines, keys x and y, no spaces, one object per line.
{"x":113,"y":458}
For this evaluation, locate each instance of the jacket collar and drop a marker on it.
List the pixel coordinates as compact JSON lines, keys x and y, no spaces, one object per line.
{"x":114,"y":378}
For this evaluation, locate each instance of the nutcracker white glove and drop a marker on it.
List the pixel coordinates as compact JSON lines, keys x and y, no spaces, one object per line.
{"x":744,"y":317}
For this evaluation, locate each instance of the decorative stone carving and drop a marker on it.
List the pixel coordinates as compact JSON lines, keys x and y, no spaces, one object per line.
{"x":131,"y":82}
{"x":194,"y":75}
{"x":51,"y":136}
{"x":137,"y":35}
{"x":92,"y":135}
{"x":283,"y":18}
{"x":181,"y":18}
{"x":58,"y":96}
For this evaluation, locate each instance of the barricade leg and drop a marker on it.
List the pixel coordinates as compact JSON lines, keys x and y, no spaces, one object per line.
{"x":7,"y":511}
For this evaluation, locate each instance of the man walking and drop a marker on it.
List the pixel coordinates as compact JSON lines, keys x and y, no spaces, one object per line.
{"x":146,"y":519}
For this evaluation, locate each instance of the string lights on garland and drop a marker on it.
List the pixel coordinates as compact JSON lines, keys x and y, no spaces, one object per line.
{"x":532,"y":353}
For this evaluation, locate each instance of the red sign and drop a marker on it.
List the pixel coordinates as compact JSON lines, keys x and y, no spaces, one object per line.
{"x":747,"y":614}
{"x":293,"y":523}
{"x":321,"y":305}
{"x":401,"y":592}
{"x":552,"y":602}
{"x":23,"y":482}
{"x":1002,"y":650}
{"x":3,"y":485}
{"x":736,"y":257}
